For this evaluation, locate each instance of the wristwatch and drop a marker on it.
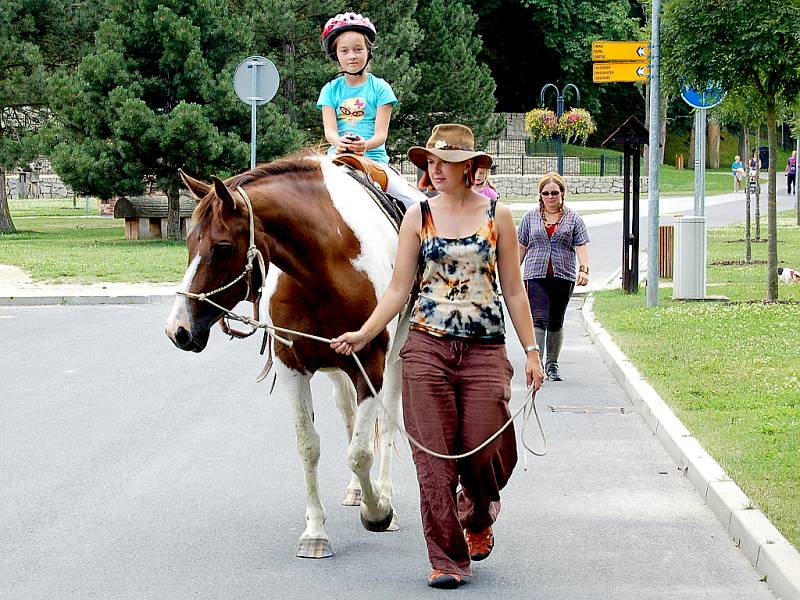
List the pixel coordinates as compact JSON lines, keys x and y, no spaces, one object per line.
{"x":531,"y":348}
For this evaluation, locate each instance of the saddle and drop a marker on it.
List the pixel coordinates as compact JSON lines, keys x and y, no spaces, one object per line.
{"x":375,"y":181}
{"x":372,"y":171}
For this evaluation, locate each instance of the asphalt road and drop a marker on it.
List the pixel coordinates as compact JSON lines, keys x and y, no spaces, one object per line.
{"x":131,"y":470}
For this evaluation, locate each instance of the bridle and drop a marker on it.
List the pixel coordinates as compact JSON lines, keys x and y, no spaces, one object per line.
{"x":254,"y":296}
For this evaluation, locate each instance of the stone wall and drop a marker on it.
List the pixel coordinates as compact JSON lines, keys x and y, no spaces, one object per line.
{"x":526,"y":185}
{"x":37,"y":185}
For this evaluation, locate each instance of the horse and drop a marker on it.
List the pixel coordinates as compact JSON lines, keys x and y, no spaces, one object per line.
{"x":328,"y":252}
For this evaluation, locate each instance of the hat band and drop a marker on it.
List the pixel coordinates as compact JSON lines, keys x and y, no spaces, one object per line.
{"x":439,"y":146}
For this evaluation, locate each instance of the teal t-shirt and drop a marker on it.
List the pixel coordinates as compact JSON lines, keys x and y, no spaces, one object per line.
{"x":357,"y":107}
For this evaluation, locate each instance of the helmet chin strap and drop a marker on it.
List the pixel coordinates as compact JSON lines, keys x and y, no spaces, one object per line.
{"x":358,"y":73}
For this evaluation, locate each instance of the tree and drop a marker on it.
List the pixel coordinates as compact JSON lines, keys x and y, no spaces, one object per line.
{"x":36,"y":40}
{"x":737,"y":44}
{"x":155,"y":95}
{"x":454,"y":87}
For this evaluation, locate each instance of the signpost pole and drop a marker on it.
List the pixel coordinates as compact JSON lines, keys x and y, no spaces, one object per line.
{"x":654,"y":154}
{"x":255,"y":88}
{"x":253,"y":109}
{"x":699,"y":162}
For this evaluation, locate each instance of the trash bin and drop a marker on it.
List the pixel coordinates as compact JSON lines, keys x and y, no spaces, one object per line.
{"x":689,"y":278}
{"x":763,"y":155}
{"x":666,"y":235}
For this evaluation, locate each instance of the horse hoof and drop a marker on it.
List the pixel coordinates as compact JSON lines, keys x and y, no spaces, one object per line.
{"x":394,"y":525}
{"x":352,"y":498}
{"x":378,"y":526}
{"x":315,"y":548}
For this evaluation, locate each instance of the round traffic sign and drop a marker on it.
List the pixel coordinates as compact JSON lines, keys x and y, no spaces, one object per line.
{"x":256,"y":80}
{"x":707,"y":97}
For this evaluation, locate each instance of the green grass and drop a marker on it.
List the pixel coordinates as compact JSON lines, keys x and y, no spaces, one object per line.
{"x":674,"y":182}
{"x":88,"y":250}
{"x":731,"y":372}
{"x":64,"y":207}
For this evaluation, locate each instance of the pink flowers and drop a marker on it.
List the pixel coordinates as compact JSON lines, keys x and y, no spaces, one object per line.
{"x":541,"y":123}
{"x":575,"y":125}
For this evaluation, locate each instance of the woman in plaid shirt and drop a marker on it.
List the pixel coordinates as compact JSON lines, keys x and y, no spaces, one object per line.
{"x":550,"y":239}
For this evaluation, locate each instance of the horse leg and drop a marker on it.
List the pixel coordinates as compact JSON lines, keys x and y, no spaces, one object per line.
{"x":389,"y":420}
{"x":314,"y":542}
{"x":344,"y":394}
{"x":376,"y":506}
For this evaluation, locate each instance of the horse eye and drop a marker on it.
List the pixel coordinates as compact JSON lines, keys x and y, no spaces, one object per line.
{"x":223,"y":250}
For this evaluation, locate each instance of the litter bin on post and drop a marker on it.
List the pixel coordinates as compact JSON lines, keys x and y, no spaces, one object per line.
{"x":666,"y":235}
{"x":689,"y":281}
{"x":763,"y":156}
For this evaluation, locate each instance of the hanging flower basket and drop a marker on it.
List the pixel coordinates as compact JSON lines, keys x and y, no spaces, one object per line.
{"x":576,"y":125}
{"x":541,"y":124}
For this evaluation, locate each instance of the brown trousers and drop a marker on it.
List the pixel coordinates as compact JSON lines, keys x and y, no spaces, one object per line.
{"x":455,"y":396}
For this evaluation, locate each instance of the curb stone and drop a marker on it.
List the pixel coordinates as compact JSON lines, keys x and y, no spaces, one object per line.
{"x":75,"y":300}
{"x":774,"y":558}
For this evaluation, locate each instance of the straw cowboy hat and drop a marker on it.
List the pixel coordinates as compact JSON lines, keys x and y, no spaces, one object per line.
{"x":452,"y":143}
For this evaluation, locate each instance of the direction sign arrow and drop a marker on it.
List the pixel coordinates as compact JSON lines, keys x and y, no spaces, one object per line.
{"x":620,"y":71}
{"x":620,"y":50}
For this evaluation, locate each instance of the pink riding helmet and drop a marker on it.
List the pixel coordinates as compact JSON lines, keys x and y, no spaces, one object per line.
{"x":348,"y":21}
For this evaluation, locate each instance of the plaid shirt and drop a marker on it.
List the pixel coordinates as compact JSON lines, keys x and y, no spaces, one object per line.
{"x":571,"y":232}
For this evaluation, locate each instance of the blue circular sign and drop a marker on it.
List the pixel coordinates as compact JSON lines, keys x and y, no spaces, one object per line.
{"x":707,"y":97}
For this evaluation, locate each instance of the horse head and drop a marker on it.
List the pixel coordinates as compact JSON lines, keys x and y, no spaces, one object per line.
{"x":218,"y":246}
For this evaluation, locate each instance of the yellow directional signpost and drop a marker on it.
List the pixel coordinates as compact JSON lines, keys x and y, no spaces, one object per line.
{"x":619,"y":71}
{"x":620,"y":61}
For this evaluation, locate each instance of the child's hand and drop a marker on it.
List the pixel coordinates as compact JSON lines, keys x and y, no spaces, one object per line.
{"x":352,"y":143}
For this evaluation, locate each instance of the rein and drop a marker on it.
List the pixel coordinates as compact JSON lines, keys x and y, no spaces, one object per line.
{"x":255,"y":324}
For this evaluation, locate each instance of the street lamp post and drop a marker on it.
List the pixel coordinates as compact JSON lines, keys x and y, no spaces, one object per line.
{"x":559,"y":112}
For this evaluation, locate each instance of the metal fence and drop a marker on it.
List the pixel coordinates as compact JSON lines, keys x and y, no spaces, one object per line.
{"x":598,"y":166}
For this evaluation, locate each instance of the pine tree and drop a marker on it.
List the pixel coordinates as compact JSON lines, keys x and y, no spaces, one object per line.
{"x":36,"y":39}
{"x":155,"y":95}
{"x":454,"y":87}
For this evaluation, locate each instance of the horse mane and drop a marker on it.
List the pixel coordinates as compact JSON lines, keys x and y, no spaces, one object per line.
{"x":300,"y":162}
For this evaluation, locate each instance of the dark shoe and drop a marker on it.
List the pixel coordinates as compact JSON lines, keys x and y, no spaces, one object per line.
{"x":480,"y":544}
{"x":444,"y":581}
{"x":553,"y":373}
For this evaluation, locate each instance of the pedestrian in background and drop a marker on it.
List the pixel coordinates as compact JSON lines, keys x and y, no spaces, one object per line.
{"x":551,"y":238}
{"x":791,"y":172}
{"x":483,"y":185}
{"x":737,"y":170}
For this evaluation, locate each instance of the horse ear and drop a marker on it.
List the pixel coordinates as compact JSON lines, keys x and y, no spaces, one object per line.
{"x":197,"y":187}
{"x":223,"y":193}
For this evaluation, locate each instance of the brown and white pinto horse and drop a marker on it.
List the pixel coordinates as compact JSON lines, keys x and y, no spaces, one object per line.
{"x":330,"y":252}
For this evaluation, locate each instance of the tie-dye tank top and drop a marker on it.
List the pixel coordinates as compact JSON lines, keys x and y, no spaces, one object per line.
{"x":458,"y":294}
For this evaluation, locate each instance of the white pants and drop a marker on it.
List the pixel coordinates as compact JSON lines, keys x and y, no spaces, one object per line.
{"x":400,"y":188}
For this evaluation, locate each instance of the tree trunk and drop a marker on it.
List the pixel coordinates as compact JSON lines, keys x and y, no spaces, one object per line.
{"x":743,"y":141}
{"x":748,"y":246}
{"x":757,"y":150}
{"x":6,"y":224}
{"x":772,"y":205}
{"x":173,"y":213}
{"x":712,"y":144}
{"x":691,"y":147}
{"x":289,"y":87}
{"x":662,"y":138}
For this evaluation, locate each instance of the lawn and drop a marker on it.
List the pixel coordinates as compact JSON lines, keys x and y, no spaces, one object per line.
{"x":88,"y":250}
{"x":731,"y":372}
